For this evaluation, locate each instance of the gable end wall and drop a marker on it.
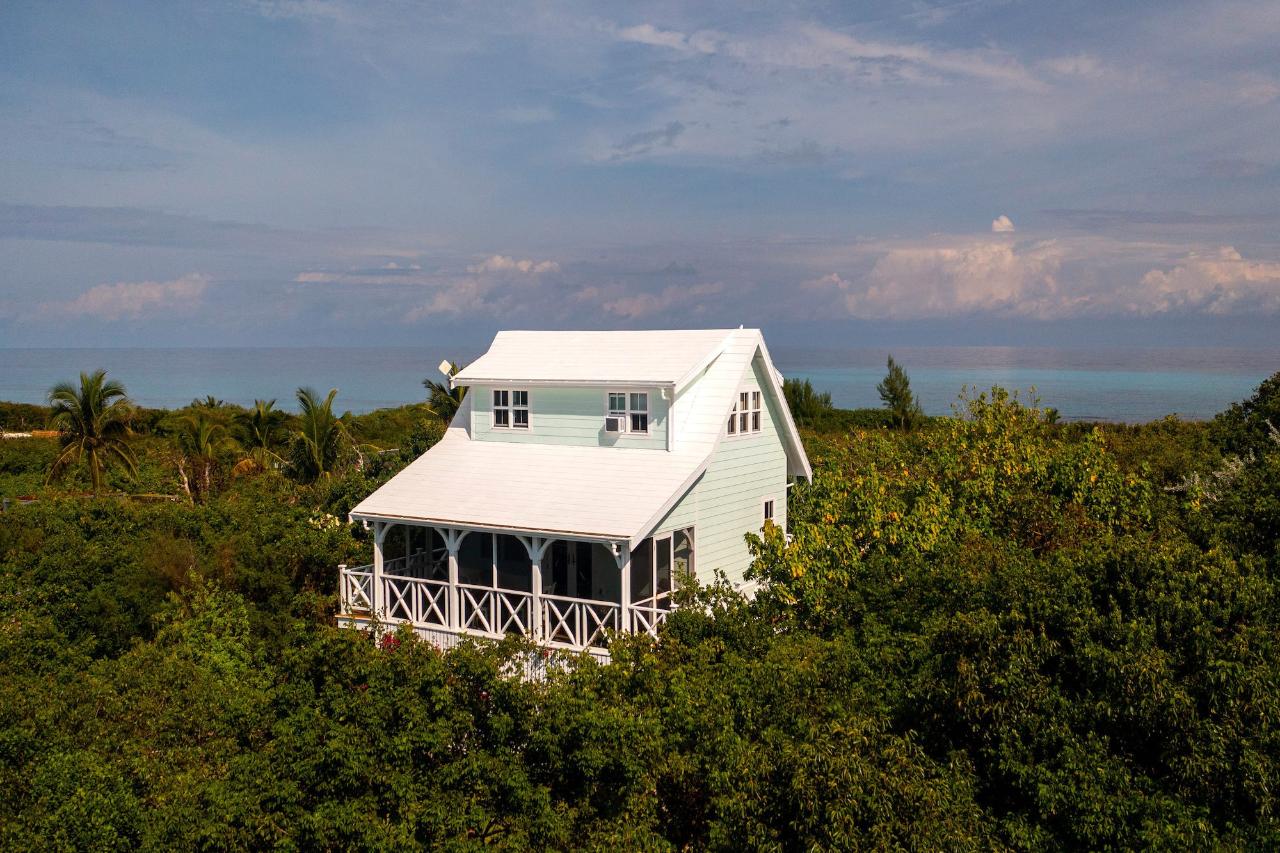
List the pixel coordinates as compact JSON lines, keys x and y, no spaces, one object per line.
{"x":727,"y":502}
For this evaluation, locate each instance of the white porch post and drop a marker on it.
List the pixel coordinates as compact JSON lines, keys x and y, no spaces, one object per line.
{"x":624,"y":565}
{"x":537,"y":547}
{"x":453,"y":543}
{"x":380,"y":529}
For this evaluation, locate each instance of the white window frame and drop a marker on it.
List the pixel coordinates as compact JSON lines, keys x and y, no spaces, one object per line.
{"x":747,"y":416}
{"x":628,"y":411}
{"x":511,"y":408}
{"x":768,"y":512}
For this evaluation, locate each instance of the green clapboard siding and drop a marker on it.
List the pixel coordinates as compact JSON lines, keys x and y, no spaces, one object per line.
{"x":727,"y":502}
{"x":570,"y":416}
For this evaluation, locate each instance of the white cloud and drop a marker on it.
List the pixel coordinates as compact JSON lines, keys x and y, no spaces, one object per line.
{"x":134,"y":299}
{"x":1220,"y":282}
{"x":506,"y":264}
{"x":913,"y":282}
{"x":821,"y":49}
{"x":634,"y":306}
{"x":1080,"y":65}
{"x":700,"y":42}
{"x":1002,"y":225}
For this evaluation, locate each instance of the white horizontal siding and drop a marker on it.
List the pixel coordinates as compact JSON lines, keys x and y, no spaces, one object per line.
{"x":727,"y":502}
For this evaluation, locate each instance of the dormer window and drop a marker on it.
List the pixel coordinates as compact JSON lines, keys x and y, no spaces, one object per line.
{"x":745,"y":417}
{"x":510,"y":409}
{"x":629,"y":411}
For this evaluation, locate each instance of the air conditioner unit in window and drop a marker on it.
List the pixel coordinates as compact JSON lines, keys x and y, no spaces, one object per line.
{"x":613,"y":423}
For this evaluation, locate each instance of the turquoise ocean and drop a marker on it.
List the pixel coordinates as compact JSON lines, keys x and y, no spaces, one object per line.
{"x":1107,"y":384}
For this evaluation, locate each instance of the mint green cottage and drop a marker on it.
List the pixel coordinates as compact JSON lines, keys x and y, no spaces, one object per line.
{"x":583,"y":475}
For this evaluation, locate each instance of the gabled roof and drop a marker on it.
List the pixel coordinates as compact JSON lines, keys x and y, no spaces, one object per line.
{"x":569,"y":358}
{"x":606,"y":493}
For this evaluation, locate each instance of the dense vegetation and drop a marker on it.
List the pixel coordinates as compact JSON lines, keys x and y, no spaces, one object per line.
{"x":990,"y":630}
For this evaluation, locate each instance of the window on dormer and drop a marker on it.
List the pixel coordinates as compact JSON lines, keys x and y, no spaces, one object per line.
{"x":631,"y":409}
{"x":510,"y":409}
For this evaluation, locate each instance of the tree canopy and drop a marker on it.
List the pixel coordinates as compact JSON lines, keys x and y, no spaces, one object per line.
{"x":993,"y":631}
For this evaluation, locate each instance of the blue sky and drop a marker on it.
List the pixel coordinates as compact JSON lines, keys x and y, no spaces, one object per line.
{"x":332,"y":172}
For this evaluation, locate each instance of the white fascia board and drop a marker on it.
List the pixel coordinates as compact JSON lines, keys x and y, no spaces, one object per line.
{"x":572,"y":383}
{"x":792,"y":433}
{"x":706,"y":361}
{"x":602,"y":538}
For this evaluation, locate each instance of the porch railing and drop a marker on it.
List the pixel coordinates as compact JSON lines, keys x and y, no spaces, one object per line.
{"x":416,"y":600}
{"x":559,"y":620}
{"x":355,"y":586}
{"x":494,"y":611}
{"x":647,"y":618}
{"x":578,"y":622}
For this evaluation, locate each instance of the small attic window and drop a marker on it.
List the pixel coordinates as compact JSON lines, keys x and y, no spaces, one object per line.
{"x":745,"y":417}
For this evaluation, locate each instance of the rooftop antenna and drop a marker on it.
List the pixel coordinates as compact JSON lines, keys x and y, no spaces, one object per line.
{"x":446,"y":368}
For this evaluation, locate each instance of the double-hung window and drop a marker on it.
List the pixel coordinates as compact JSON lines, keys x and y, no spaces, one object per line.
{"x":631,"y":409}
{"x":745,"y":417}
{"x":510,"y":409}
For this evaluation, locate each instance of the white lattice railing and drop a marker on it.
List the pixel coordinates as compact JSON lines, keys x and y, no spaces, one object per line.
{"x":578,"y":622}
{"x":355,"y":586}
{"x":648,"y":616}
{"x":416,"y":600}
{"x":423,"y":602}
{"x":494,"y":611}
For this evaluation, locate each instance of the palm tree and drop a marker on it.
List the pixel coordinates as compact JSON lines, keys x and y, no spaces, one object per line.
{"x":201,"y":439}
{"x":94,"y":422}
{"x":317,"y":441}
{"x":260,"y":431}
{"x":444,"y":401}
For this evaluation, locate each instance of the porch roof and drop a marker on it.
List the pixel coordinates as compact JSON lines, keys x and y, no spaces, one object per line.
{"x":590,"y":492}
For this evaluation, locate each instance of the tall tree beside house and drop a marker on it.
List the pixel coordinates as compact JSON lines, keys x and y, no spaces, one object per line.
{"x":808,"y":407}
{"x":317,"y":442}
{"x":94,"y":421}
{"x":260,"y":432}
{"x":895,"y":391}
{"x":442,"y":400}
{"x":202,"y":439}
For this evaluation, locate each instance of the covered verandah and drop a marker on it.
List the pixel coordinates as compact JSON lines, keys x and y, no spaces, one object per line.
{"x":560,"y":590}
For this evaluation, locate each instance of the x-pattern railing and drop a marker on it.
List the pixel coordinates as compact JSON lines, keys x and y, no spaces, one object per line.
{"x":648,"y":615}
{"x":560,"y":620}
{"x":357,"y":588}
{"x":476,"y":604}
{"x":576,"y":621}
{"x":415,"y":600}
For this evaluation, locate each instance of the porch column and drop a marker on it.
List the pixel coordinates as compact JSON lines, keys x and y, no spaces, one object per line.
{"x":453,"y":543}
{"x":380,"y":529}
{"x":537,"y":547}
{"x":624,"y":566}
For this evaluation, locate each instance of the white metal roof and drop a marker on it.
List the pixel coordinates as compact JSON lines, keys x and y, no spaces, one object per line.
{"x":590,"y":492}
{"x":607,"y":493}
{"x":565,"y":358}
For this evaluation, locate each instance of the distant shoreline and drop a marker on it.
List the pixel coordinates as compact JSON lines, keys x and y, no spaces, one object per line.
{"x":1113,"y":385}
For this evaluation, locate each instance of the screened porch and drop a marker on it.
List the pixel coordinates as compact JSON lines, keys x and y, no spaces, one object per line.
{"x":564,"y":593}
